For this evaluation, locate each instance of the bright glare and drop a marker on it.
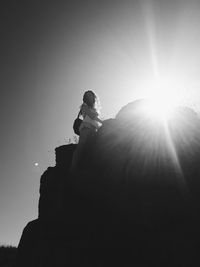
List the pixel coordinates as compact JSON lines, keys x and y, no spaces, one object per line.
{"x":161,"y":105}
{"x":160,"y":108}
{"x":165,"y":92}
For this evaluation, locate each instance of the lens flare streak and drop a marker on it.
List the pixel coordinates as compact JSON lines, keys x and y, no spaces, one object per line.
{"x":173,"y":152}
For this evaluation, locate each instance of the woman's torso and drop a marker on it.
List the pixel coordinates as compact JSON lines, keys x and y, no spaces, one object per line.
{"x":87,"y":120}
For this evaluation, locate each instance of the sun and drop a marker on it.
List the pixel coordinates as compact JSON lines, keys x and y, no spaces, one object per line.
{"x":160,"y":106}
{"x":164,"y":94}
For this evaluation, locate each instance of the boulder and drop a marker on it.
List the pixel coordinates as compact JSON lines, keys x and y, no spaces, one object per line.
{"x":133,"y":202}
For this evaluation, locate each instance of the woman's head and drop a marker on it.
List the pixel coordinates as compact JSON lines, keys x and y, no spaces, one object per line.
{"x":90,"y":98}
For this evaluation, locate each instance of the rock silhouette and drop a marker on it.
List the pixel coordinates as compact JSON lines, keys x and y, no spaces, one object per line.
{"x":134,"y":201}
{"x":7,"y":255}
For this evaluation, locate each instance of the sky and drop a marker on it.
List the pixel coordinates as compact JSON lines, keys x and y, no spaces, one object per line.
{"x":53,"y":51}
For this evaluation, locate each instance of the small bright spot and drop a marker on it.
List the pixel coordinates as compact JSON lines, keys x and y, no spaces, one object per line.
{"x":36,"y":164}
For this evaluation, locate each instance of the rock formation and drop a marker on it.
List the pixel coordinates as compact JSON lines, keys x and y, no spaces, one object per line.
{"x":7,"y":255}
{"x":134,"y":201}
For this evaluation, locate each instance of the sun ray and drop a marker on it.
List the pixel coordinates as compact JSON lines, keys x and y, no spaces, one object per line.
{"x":173,"y":153}
{"x":151,"y":35}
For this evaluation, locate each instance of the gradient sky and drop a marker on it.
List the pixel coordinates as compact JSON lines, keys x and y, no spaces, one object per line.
{"x":52,"y":51}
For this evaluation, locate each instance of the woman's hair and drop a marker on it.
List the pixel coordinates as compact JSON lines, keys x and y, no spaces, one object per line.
{"x":91,"y":99}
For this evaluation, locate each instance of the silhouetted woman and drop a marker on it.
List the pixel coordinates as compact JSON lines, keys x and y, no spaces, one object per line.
{"x":90,"y":125}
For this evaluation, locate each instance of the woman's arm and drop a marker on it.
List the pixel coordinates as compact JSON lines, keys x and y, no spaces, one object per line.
{"x":99,"y":120}
{"x":87,"y":111}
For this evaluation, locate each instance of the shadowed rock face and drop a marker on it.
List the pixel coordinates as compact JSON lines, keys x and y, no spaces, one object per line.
{"x":134,"y":199}
{"x":7,"y":255}
{"x":52,"y":180}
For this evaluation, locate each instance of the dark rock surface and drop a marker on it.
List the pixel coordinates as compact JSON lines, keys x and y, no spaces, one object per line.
{"x":7,"y":255}
{"x":133,"y":202}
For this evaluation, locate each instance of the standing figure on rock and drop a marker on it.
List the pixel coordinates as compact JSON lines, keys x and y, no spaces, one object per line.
{"x":89,"y":126}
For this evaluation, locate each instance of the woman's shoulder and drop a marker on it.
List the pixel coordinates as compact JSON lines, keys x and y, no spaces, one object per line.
{"x":84,"y":109}
{"x":84,"y":106}
{"x":90,"y":110}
